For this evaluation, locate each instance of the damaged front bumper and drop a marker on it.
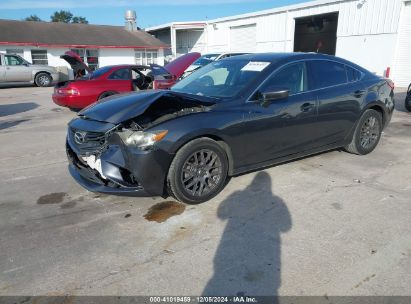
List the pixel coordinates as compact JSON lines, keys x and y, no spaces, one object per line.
{"x":119,"y":169}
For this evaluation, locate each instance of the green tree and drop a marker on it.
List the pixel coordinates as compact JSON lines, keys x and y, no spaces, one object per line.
{"x":33,"y":18}
{"x":79,"y":20}
{"x":67,"y":17}
{"x":61,"y":16}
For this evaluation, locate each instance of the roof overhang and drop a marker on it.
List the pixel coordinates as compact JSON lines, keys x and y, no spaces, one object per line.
{"x":84,"y":46}
{"x":277,"y":10}
{"x":178,"y":26}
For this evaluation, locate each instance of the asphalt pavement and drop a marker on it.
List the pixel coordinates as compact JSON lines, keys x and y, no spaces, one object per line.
{"x":330,"y":224}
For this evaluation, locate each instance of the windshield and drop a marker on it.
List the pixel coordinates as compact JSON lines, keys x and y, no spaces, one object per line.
{"x":221,"y":79}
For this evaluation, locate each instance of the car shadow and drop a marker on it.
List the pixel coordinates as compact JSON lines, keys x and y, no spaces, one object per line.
{"x":248,"y":259}
{"x":15,"y":108}
{"x":400,"y":102}
{"x":12,"y":123}
{"x":16,"y":85}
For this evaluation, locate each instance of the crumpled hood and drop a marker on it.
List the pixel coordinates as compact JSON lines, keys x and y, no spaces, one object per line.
{"x":119,"y":108}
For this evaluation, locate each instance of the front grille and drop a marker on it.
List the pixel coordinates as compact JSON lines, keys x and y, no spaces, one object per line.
{"x":88,"y":142}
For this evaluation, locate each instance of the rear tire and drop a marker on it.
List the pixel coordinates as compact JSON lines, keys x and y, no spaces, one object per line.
{"x":198,"y":171}
{"x":42,"y":80}
{"x":367,"y":134}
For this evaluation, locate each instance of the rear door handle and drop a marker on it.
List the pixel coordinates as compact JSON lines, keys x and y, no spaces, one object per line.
{"x":307,"y":107}
{"x":359,"y":93}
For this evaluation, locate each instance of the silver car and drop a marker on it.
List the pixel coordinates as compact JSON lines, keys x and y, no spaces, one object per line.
{"x":14,"y":70}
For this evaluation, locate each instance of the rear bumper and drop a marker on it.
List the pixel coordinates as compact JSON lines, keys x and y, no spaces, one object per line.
{"x":389,"y":109}
{"x":73,"y":102}
{"x":55,"y":77}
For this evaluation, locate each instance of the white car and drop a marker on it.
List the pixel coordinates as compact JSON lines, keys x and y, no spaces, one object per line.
{"x":15,"y":70}
{"x":206,"y":59}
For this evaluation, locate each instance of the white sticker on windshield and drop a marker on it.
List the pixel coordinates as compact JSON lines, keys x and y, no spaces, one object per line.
{"x":256,"y":66}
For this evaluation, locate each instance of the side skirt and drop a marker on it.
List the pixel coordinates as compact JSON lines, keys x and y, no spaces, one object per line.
{"x":287,"y":158}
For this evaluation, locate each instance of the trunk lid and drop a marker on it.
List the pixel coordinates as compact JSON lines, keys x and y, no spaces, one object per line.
{"x":180,"y":64}
{"x":75,"y":62}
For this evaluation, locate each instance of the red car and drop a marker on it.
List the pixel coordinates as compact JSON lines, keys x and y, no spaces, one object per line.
{"x":110,"y":80}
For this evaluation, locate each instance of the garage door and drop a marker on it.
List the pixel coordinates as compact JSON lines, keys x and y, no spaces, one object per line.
{"x":243,"y":38}
{"x":402,"y":76}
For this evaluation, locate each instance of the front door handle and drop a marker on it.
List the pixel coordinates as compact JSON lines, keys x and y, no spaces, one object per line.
{"x":359,"y":93}
{"x":306,"y":107}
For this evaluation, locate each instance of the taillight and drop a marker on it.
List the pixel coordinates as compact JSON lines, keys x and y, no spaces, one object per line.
{"x":68,"y":91}
{"x":162,"y":84}
{"x":388,"y":72}
{"x":391,"y":84}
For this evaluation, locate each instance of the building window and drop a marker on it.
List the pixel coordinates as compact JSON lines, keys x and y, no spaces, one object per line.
{"x":89,"y":57}
{"x":39,"y":57}
{"x":146,"y":57}
{"x":19,"y":52}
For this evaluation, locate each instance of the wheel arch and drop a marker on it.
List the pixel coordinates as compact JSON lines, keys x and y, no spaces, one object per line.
{"x":215,"y":137}
{"x":38,"y":72}
{"x":373,"y":105}
{"x":377,"y":107}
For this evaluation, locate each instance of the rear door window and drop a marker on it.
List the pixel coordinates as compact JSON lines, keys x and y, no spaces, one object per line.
{"x":353,"y":75}
{"x":328,"y":73}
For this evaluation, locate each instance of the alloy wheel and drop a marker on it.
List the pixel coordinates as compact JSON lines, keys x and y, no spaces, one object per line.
{"x":369,"y":132}
{"x":43,"y":80}
{"x":201,"y":172}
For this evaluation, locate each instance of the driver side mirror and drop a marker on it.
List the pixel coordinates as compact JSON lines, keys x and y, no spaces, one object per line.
{"x":272,"y":94}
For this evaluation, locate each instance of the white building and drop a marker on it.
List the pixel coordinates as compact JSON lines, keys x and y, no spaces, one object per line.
{"x":183,"y":37}
{"x":97,"y":45}
{"x":375,"y":34}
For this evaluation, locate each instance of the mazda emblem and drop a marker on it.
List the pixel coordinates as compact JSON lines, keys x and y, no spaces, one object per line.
{"x":80,"y":137}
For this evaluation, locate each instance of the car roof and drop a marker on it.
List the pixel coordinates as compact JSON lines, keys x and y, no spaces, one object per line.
{"x":212,"y":54}
{"x":117,"y":66}
{"x":273,"y":57}
{"x":287,"y":57}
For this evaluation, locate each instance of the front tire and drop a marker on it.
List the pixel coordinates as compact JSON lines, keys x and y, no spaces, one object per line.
{"x":42,"y":80}
{"x":198,"y":171}
{"x":367,"y":133}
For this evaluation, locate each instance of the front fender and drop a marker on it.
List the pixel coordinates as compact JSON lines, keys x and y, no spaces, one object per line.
{"x":221,"y":126}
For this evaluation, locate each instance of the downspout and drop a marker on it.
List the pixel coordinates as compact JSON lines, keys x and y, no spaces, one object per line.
{"x":286,"y":30}
{"x":173,"y":41}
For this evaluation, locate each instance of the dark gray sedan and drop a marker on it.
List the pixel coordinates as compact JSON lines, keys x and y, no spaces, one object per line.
{"x":230,"y":117}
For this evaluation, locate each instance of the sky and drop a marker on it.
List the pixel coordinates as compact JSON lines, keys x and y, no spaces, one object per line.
{"x":149,"y":13}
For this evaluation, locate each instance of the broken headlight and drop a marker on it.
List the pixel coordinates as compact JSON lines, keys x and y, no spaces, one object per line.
{"x":140,"y":139}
